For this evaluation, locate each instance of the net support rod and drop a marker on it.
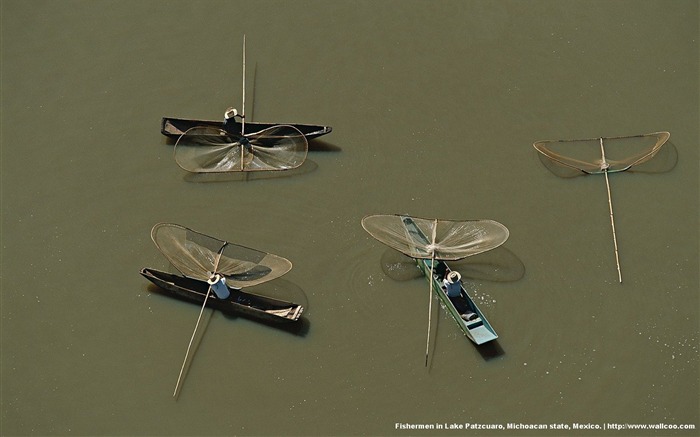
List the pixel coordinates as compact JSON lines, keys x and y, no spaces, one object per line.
{"x":243,"y":110}
{"x":430,"y":292}
{"x":605,"y":166}
{"x":243,"y":103}
{"x":430,"y":309}
{"x":201,"y":311}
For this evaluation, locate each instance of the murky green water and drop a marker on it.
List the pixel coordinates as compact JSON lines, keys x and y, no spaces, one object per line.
{"x":434,"y":108}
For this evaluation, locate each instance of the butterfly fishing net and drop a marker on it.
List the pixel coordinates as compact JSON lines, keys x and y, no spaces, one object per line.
{"x":206,"y":149}
{"x":571,"y":158}
{"x":644,"y":153}
{"x":196,"y":256}
{"x":453,"y":239}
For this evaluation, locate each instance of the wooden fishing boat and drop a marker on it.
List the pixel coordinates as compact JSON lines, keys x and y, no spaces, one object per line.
{"x":433,"y":242}
{"x":235,"y":123}
{"x":478,"y":329}
{"x":213,"y":273}
{"x":237,"y":303}
{"x":174,"y":127}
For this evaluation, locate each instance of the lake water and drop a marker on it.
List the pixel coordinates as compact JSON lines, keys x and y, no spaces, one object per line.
{"x":434,"y":108}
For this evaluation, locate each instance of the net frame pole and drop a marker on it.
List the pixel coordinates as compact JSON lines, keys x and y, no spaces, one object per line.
{"x":243,"y":103}
{"x":196,"y":326}
{"x":604,"y":166}
{"x":243,"y":110}
{"x":430,"y":293}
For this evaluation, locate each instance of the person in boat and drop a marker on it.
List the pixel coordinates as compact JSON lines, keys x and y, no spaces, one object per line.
{"x":232,"y":125}
{"x":230,"y":119}
{"x":452,"y":284}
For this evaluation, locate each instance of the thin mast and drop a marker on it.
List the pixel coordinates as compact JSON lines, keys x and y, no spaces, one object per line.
{"x":243,"y":109}
{"x":604,"y":165}
{"x":201,"y":311}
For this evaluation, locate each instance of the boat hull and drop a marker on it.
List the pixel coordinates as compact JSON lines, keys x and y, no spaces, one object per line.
{"x":478,"y":330}
{"x":238,"y":303}
{"x":175,"y":127}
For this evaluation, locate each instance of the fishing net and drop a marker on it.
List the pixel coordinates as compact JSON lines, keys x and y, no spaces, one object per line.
{"x":195,"y":256}
{"x":571,"y":158}
{"x":644,"y":153}
{"x":206,"y":149}
{"x":453,"y":239}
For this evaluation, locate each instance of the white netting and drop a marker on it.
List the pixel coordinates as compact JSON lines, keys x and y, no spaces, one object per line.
{"x":195,"y":255}
{"x":453,"y":240}
{"x":568,"y":158}
{"x":206,"y":149}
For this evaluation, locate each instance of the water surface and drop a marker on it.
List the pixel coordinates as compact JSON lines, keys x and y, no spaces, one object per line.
{"x":434,"y":108}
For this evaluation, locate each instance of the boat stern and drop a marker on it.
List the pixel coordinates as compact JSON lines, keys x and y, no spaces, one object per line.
{"x":480,"y":333}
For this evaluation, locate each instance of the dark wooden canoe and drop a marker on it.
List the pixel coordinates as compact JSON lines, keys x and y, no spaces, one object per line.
{"x":238,"y":303}
{"x":174,"y":127}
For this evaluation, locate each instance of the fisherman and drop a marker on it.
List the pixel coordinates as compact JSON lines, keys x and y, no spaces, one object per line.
{"x":217,"y":283}
{"x":233,"y":126}
{"x":230,"y":120}
{"x":452,"y":284}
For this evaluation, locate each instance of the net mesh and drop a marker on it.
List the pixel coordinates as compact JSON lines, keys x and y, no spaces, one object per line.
{"x":195,"y":255}
{"x":571,"y":158}
{"x":453,"y":239}
{"x":206,"y":149}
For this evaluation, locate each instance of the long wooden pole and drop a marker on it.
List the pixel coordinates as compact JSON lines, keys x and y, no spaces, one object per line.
{"x":430,"y":295}
{"x":243,"y":107}
{"x":605,"y":166}
{"x":243,"y":111}
{"x":201,"y":311}
{"x":189,"y":346}
{"x":430,"y":309}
